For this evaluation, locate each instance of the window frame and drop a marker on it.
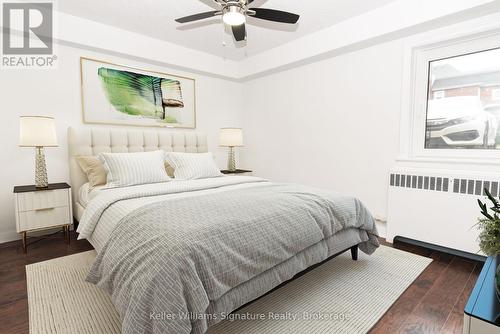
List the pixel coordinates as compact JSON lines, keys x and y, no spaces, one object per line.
{"x":415,"y":99}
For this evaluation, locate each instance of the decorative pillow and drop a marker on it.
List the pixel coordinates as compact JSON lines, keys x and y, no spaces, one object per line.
{"x":190,"y":166}
{"x":128,"y":169}
{"x":93,"y":167}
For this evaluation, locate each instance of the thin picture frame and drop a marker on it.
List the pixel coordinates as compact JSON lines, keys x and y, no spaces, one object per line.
{"x":98,"y":109}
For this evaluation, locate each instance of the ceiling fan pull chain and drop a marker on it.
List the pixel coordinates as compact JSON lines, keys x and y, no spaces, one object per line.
{"x":223,"y":32}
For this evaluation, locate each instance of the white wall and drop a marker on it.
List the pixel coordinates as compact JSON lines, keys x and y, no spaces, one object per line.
{"x":336,"y":123}
{"x":332,"y":124}
{"x":57,"y":93}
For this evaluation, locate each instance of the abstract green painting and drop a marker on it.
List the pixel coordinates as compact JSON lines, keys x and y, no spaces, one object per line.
{"x":115,"y":94}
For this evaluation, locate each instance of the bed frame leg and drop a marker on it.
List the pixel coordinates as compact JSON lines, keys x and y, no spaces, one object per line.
{"x":354,"y":252}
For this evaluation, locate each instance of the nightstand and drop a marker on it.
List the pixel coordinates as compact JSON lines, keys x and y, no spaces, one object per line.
{"x":43,"y":208}
{"x":238,"y":172}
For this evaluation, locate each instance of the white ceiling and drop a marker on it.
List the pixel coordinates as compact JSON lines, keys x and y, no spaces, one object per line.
{"x":155,"y":18}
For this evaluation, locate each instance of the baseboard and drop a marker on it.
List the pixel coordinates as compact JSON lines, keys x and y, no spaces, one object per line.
{"x":442,"y":249}
{"x":8,"y":237}
{"x":381,"y":228}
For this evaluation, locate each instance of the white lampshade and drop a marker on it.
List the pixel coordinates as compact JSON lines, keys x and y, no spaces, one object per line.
{"x":231,"y":137}
{"x":37,"y":131}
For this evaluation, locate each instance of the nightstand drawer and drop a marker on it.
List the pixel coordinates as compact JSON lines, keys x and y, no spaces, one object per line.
{"x":31,"y":220}
{"x":42,"y":200}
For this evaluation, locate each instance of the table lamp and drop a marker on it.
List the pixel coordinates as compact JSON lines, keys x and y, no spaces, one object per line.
{"x":38,"y":132}
{"x":231,"y":137}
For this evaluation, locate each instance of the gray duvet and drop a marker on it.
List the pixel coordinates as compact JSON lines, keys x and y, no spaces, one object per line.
{"x":168,"y":264}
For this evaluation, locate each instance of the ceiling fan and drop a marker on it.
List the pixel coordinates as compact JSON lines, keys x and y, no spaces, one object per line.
{"x":235,"y":12}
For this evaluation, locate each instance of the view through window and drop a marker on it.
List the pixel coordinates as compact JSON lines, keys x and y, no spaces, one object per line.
{"x":463,"y":109}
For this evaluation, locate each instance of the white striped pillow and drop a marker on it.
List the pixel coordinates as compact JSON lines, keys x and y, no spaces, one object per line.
{"x":128,"y":169}
{"x":190,"y":166}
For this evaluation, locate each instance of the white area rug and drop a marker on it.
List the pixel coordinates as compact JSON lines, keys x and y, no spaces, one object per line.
{"x":341,"y":296}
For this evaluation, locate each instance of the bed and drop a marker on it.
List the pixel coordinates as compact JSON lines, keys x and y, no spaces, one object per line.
{"x":177,"y":257}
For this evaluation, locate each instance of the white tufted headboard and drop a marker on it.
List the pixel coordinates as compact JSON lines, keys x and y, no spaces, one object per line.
{"x":92,"y":141}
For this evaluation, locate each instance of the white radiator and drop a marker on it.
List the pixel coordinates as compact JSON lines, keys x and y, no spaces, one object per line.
{"x":437,"y":207}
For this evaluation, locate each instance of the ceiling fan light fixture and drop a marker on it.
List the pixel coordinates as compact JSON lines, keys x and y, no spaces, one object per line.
{"x":234,"y":16}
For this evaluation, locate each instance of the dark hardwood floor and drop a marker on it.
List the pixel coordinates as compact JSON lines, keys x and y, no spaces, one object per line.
{"x":13,"y":294}
{"x":434,"y":303}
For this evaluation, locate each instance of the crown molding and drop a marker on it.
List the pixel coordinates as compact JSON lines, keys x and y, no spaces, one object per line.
{"x":396,"y":20}
{"x":407,"y":17}
{"x":89,"y":35}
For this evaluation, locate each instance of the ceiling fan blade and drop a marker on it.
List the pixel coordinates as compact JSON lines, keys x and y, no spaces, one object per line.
{"x":275,"y":15}
{"x":199,"y":16}
{"x":239,"y":32}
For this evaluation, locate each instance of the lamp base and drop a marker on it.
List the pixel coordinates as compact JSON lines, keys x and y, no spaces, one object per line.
{"x":231,"y":160}
{"x":41,"y":180}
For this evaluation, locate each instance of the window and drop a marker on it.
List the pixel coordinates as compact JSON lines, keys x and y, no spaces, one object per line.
{"x":463,"y":105}
{"x":439,"y":94}
{"x":436,"y":68}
